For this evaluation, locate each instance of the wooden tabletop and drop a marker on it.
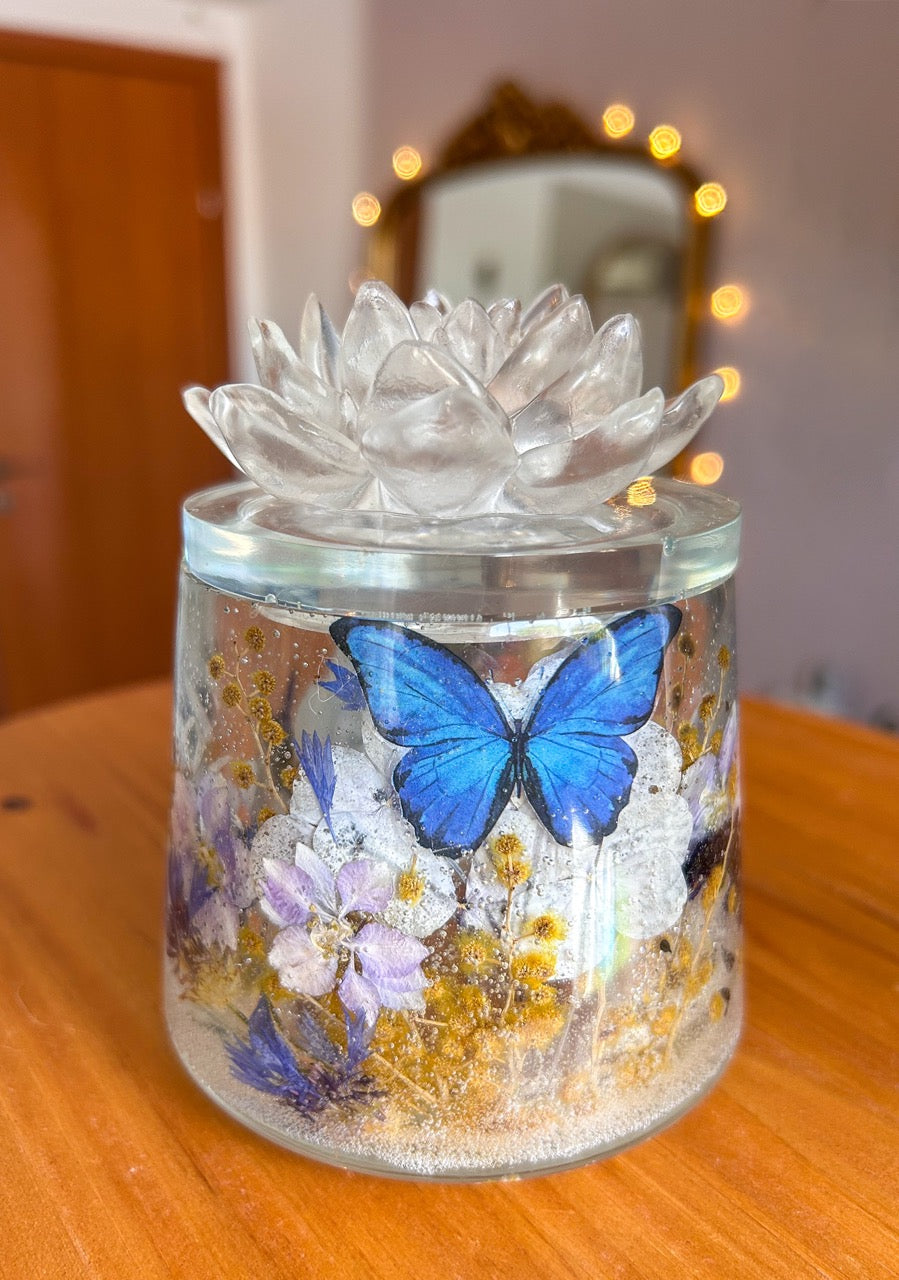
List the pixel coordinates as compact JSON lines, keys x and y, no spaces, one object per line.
{"x":112,"y":1163}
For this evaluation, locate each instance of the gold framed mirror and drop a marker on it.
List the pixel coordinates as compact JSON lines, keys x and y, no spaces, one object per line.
{"x":527,"y":194}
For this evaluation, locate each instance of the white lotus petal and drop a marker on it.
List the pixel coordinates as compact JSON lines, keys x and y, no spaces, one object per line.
{"x":319,"y":342}
{"x":575,"y":474}
{"x":543,"y":355}
{"x":683,"y":417}
{"x":505,"y":316}
{"x":413,"y":371}
{"x":196,"y":402}
{"x":439,"y":300}
{"x":281,"y":370}
{"x":543,"y":306}
{"x":286,"y":455}
{"x":471,"y":338}
{"x":609,"y":373}
{"x":449,"y":454}
{"x":377,"y":322}
{"x":426,"y":318}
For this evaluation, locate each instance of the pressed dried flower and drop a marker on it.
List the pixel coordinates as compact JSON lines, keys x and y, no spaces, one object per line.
{"x":663,"y":1022}
{"x":254,"y":637}
{"x":687,"y":645}
{"x":724,"y":657}
{"x":712,"y":886}
{"x":707,"y":708}
{"x":243,"y":774}
{"x":288,"y":776}
{"x":410,"y":886}
{"x":232,"y":694}
{"x":533,"y":967}
{"x":549,"y":928}
{"x":717,"y":1006}
{"x":264,"y":814}
{"x":271,"y":731}
{"x":260,"y":708}
{"x":699,"y":978}
{"x":264,"y":682}
{"x":216,"y":666}
{"x":211,"y":864}
{"x":476,"y":949}
{"x":512,"y":867}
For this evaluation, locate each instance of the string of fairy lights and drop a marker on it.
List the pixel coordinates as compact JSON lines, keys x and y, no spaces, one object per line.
{"x":727,"y":303}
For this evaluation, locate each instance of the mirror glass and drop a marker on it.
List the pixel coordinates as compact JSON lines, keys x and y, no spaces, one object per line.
{"x":614,"y":230}
{"x":525,"y":196}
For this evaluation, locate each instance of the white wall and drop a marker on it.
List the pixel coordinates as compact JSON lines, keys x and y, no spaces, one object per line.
{"x":792,"y":105}
{"x":307,"y":93}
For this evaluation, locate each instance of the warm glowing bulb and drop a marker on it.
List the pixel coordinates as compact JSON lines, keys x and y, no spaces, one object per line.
{"x":641,"y":493}
{"x":706,"y":468}
{"x":710,"y":199}
{"x":728,"y":302}
{"x":731,"y":379}
{"x":664,"y":141}
{"x":366,"y":209}
{"x":406,"y":163}
{"x":617,"y":120}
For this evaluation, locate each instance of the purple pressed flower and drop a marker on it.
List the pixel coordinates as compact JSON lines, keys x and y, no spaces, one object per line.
{"x":330,"y":1076}
{"x":210,"y":879}
{"x":705,"y":785}
{"x":345,"y":686}
{"x":320,"y":932}
{"x":189,"y":893}
{"x":318,"y":765}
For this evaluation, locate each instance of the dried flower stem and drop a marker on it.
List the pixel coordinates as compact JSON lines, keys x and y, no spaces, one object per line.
{"x":372,"y":1057}
{"x":700,"y":946}
{"x":265,"y":750}
{"x":597,"y":1022}
{"x":708,"y":729}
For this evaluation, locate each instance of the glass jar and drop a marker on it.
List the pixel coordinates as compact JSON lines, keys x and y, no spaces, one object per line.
{"x":453,"y":884}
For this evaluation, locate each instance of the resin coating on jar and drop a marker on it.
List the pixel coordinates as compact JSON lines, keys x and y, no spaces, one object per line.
{"x":454,"y":890}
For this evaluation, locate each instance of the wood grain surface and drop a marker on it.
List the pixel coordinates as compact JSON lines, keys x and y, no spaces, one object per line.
{"x":112,"y":1164}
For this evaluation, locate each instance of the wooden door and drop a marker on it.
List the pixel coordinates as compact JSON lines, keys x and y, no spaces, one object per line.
{"x":112,"y":298}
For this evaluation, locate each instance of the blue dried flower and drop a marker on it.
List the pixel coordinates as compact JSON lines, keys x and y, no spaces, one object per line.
{"x":331,"y":1077}
{"x":318,"y":765}
{"x":345,"y":686}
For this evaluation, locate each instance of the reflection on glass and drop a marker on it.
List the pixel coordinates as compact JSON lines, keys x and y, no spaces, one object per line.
{"x":641,"y":493}
{"x":406,"y":163}
{"x":732,"y":381}
{"x":728,"y":302}
{"x":664,"y":141}
{"x":366,"y":209}
{"x":710,"y":199}
{"x":706,"y":468}
{"x":617,"y":120}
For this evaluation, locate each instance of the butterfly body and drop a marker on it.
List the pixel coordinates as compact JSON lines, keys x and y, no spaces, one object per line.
{"x":465,"y":756}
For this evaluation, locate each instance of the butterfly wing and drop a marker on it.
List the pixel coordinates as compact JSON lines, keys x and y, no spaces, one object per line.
{"x":457,"y":776}
{"x":577,"y":771}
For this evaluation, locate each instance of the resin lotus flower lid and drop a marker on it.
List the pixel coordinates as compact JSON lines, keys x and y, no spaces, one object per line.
{"x":446,"y":413}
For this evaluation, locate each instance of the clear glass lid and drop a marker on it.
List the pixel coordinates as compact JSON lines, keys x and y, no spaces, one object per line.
{"x":668,"y":541}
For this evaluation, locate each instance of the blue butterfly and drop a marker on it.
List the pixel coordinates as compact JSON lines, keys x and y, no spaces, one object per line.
{"x":466,"y":757}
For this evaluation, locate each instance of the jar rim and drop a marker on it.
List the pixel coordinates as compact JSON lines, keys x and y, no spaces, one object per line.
{"x":685,"y":540}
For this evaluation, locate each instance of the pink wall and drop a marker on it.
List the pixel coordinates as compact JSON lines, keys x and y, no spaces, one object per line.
{"x":792,"y":105}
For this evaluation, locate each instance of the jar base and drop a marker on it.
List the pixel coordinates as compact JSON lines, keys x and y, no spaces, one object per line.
{"x":567,"y":1135}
